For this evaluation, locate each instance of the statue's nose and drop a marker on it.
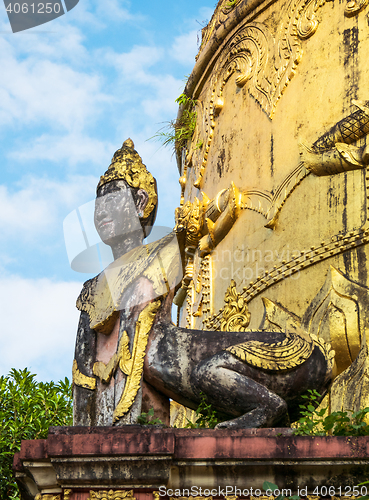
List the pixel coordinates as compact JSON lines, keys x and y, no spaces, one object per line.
{"x":100,"y":209}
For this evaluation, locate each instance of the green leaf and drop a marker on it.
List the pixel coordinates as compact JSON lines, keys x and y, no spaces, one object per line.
{"x":269,"y":486}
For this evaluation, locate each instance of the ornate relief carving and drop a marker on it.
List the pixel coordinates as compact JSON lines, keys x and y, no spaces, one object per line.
{"x":203,"y":225}
{"x":47,"y":496}
{"x":285,"y":355}
{"x":180,"y":416}
{"x":207,"y":281}
{"x":81,"y":379}
{"x":111,"y":495}
{"x":266,"y":64}
{"x":341,"y":310}
{"x":256,"y":201}
{"x":236,"y":316}
{"x":334,"y":151}
{"x":334,"y":316}
{"x":338,"y":244}
{"x":270,"y":63}
{"x":134,"y":375}
{"x":67,"y":494}
{"x":336,"y":320}
{"x":283,"y":191}
{"x":353,"y":7}
{"x":292,"y":351}
{"x":220,"y":15}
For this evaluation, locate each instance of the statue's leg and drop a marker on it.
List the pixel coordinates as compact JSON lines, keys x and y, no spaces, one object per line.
{"x":229,"y":388}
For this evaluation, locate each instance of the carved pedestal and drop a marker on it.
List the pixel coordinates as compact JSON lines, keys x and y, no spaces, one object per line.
{"x":152,"y":463}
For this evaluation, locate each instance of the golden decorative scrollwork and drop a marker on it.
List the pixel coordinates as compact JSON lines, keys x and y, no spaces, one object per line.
{"x":292,"y":351}
{"x":133,"y":382}
{"x":47,"y":496}
{"x":82,"y":380}
{"x":204,"y":223}
{"x":67,"y":494}
{"x":353,"y":7}
{"x":111,"y":495}
{"x":338,"y":244}
{"x":236,"y":316}
{"x":181,"y":415}
{"x":335,"y":317}
{"x":219,"y":16}
{"x":285,"y":355}
{"x":269,"y":68}
{"x":264,"y":62}
{"x":121,"y":358}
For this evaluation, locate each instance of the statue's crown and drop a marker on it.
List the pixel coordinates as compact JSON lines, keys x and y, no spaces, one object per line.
{"x":127,"y":165}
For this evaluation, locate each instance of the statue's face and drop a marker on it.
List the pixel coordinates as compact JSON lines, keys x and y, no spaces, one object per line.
{"x":115,"y":212}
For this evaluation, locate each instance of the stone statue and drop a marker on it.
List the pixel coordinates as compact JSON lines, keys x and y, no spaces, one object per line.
{"x":110,"y":346}
{"x":128,"y":348}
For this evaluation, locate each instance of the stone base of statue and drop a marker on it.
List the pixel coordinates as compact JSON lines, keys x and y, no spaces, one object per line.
{"x":149,"y":463}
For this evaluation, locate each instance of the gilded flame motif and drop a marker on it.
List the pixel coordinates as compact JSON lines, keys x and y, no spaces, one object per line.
{"x":236,"y":316}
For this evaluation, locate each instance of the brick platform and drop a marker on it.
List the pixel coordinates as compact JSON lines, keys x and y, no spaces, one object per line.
{"x":148,"y":460}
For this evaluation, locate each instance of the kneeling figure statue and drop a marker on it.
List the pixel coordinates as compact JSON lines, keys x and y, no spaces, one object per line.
{"x":130,"y":356}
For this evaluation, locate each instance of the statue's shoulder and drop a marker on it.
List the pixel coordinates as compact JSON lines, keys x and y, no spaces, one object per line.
{"x":86,"y":297}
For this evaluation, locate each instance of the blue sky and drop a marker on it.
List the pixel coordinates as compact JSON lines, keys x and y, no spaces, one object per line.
{"x":71,"y":91}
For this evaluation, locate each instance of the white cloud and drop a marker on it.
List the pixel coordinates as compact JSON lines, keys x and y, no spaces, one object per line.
{"x":45,"y":92}
{"x":164,"y":91}
{"x":38,"y":207}
{"x":184,"y":48}
{"x":132,"y":66}
{"x":155,"y":93}
{"x":96,"y":14}
{"x":50,"y":79}
{"x":38,"y":327}
{"x":70,"y":148}
{"x":111,"y":9}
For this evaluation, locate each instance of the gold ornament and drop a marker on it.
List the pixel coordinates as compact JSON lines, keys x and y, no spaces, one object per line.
{"x":127,"y":165}
{"x":134,"y":364}
{"x":82,"y":380}
{"x":111,"y":495}
{"x":236,"y":316}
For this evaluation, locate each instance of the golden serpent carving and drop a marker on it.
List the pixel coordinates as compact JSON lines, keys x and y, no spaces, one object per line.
{"x":143,"y":327}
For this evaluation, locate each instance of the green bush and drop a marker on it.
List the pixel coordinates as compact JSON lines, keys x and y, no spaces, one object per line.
{"x":27,"y":409}
{"x":314,"y":422}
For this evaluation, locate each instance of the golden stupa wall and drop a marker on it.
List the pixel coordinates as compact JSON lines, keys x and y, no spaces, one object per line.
{"x":281,"y":90}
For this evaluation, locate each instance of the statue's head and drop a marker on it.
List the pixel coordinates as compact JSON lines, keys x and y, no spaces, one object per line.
{"x":126,"y":197}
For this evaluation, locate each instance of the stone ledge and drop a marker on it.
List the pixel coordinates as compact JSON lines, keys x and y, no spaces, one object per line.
{"x":145,"y":458}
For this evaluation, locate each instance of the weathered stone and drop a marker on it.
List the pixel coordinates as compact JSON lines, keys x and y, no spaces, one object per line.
{"x":86,"y":458}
